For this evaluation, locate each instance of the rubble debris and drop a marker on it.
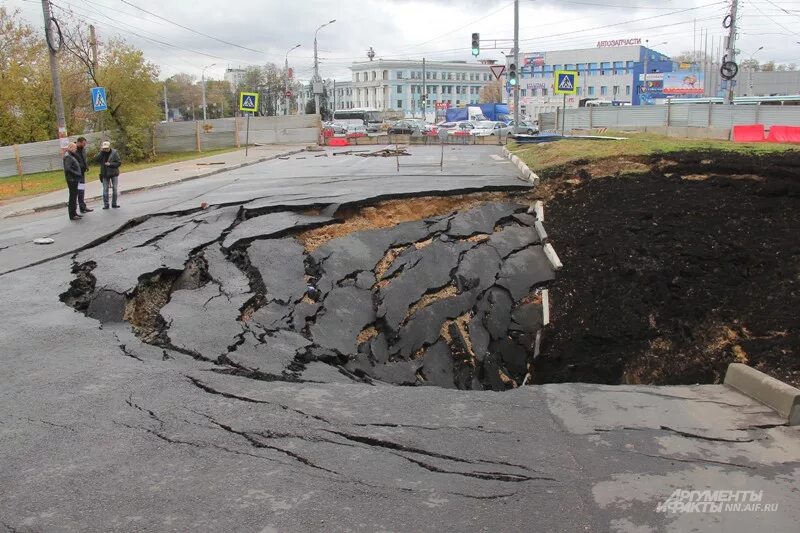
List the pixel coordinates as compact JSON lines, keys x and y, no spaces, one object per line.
{"x":386,"y":152}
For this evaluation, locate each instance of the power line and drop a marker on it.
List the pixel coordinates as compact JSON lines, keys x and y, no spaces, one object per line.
{"x":624,"y":22}
{"x":191,"y":29}
{"x":125,"y":30}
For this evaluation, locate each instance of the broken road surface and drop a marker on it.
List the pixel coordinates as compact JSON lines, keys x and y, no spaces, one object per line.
{"x":199,"y":377}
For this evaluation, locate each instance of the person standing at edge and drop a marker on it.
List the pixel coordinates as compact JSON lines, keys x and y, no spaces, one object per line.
{"x":109,"y":161}
{"x":73,"y":173}
{"x":80,"y":155}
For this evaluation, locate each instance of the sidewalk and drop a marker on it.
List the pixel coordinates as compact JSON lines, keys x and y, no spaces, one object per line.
{"x":156,"y":176}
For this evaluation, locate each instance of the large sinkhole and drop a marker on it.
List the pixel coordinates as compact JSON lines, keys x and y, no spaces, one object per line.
{"x":441,"y":291}
{"x":673,"y":268}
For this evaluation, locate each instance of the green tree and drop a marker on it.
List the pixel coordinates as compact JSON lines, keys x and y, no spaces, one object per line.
{"x":131,"y":82}
{"x":219,"y":99}
{"x":184,"y":94}
{"x":24,"y":80}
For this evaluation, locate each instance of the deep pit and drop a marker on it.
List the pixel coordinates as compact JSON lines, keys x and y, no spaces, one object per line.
{"x":422,"y":291}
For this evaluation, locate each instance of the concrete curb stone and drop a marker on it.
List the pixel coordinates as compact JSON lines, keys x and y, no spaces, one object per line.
{"x":781,"y":397}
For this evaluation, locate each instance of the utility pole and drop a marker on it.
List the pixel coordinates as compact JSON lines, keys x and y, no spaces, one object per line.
{"x":203,"y":81}
{"x":644,"y":82}
{"x":424,"y":93}
{"x":93,"y":44}
{"x":516,"y":62}
{"x":57,"y":99}
{"x":286,"y":79}
{"x":166,"y":107}
{"x":730,"y":51}
{"x":316,"y":83}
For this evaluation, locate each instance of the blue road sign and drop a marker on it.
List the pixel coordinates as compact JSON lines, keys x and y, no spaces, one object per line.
{"x":99,"y":101}
{"x":566,"y":82}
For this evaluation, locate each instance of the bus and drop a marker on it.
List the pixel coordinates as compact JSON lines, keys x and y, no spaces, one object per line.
{"x":370,"y":118}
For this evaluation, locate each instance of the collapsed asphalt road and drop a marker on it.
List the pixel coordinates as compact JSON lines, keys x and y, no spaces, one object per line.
{"x":450,"y":300}
{"x":126,"y":416}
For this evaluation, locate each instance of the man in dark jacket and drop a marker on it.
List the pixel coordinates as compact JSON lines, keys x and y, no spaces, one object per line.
{"x":109,"y":161}
{"x":73,"y":174}
{"x":80,"y":155}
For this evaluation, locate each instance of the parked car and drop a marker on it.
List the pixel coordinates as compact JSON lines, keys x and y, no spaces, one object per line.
{"x":406,"y":127}
{"x":529,"y":127}
{"x":458,"y":128}
{"x":356,"y":130}
{"x":330,"y":129}
{"x":486,"y":128}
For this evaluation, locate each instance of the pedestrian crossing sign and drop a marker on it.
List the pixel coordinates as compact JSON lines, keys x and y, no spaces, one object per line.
{"x":248,"y":102}
{"x":99,"y":102}
{"x":566,"y":82}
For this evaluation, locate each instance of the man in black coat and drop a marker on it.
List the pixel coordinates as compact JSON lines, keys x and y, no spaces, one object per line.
{"x":80,"y":155}
{"x":109,"y":161}
{"x":73,"y":174}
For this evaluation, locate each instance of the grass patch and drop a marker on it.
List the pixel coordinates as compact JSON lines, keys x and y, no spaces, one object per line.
{"x":547,"y":158}
{"x":42,"y":182}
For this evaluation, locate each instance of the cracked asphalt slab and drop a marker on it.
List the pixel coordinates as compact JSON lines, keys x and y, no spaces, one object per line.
{"x":105,"y":428}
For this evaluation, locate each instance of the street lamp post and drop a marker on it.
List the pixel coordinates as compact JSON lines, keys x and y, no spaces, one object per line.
{"x":286,"y":82}
{"x":317,"y":79}
{"x":646,"y":60}
{"x":203,"y":81}
{"x":750,"y":64}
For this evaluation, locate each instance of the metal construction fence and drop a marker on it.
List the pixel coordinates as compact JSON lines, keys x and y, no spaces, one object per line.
{"x":174,"y":137}
{"x":683,"y":119}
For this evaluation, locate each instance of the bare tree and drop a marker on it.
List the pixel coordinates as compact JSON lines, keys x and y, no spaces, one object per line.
{"x":492,"y":92}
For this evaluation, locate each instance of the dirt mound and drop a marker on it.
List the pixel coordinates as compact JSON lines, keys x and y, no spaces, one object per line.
{"x":671,"y":274}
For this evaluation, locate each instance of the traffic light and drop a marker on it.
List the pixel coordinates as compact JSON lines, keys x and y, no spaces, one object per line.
{"x":476,"y":44}
{"x":512,"y":74}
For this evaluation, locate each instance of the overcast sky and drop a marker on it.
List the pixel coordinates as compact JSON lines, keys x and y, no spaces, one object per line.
{"x":261,"y":31}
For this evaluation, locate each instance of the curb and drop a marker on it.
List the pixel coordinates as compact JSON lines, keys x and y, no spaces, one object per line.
{"x":58,"y":205}
{"x":526,"y":172}
{"x":782,"y":398}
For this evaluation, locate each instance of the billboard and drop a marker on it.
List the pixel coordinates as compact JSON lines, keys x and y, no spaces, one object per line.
{"x":683,"y":82}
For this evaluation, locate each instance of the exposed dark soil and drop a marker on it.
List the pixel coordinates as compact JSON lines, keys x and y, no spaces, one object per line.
{"x":673,"y":273}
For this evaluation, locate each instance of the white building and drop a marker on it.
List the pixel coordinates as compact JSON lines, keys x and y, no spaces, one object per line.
{"x":341,"y":94}
{"x":234,"y":76}
{"x":386,"y":84}
{"x":608,"y":72}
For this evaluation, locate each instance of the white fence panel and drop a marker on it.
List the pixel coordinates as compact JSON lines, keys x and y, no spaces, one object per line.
{"x":679,"y":115}
{"x":781,"y":115}
{"x":698,"y":115}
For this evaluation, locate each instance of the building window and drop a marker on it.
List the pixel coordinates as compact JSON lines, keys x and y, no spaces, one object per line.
{"x":591,"y":91}
{"x":603,"y":90}
{"x":374,"y":75}
{"x":399,"y":89}
{"x":544,"y":91}
{"x":399,"y":74}
{"x":569,"y":66}
{"x":386,"y":74}
{"x":399,"y":104}
{"x":627,"y":90}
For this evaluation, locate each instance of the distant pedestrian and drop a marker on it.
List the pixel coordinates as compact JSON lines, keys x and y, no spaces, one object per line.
{"x":80,"y":154}
{"x":72,"y":172}
{"x":109,"y":161}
